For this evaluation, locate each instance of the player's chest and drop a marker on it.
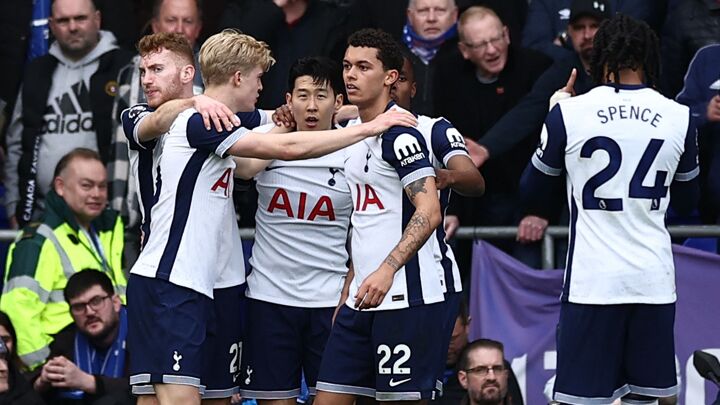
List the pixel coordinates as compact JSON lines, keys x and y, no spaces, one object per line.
{"x":373,"y":182}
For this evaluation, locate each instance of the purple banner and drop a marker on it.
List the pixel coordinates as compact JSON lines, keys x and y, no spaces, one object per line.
{"x":519,"y":306}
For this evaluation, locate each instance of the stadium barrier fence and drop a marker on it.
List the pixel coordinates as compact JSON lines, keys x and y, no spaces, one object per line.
{"x":505,"y":232}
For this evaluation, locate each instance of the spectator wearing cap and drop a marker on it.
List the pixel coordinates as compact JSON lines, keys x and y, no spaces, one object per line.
{"x":546,"y":28}
{"x":487,"y":78}
{"x":523,"y":122}
{"x":14,"y":388}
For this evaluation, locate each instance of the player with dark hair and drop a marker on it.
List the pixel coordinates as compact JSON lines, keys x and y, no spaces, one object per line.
{"x":386,"y":342}
{"x":622,"y":147}
{"x":625,"y":43}
{"x":299,"y":259}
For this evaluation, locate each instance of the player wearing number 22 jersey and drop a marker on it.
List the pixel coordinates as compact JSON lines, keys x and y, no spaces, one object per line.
{"x":621,"y":147}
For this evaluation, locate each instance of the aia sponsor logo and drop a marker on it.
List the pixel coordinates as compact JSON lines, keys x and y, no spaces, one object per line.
{"x":282,"y":202}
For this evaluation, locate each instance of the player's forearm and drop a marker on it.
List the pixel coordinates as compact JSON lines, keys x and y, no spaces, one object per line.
{"x":345,"y":292}
{"x":416,"y":233}
{"x":247,"y":168}
{"x":159,"y":121}
{"x":423,"y":194}
{"x":464,"y":177}
{"x":310,"y":144}
{"x":469,"y":183}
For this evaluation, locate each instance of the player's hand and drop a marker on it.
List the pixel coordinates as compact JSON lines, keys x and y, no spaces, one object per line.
{"x":373,"y":289}
{"x":564,"y":92}
{"x":63,"y":373}
{"x":283,"y":117}
{"x":390,"y":118}
{"x":570,"y":85}
{"x":531,"y":229}
{"x":443,"y":178}
{"x":346,"y":113}
{"x":215,"y":113}
{"x":713,"y":109}
{"x":452,"y":223}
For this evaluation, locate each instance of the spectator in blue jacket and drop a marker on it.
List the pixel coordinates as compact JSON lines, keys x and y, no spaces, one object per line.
{"x":702,"y":94}
{"x":546,"y":27}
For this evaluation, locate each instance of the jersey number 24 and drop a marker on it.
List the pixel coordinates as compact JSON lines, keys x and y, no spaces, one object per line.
{"x":636,"y":189}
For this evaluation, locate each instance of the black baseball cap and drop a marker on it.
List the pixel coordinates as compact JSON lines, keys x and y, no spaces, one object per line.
{"x":599,"y":9}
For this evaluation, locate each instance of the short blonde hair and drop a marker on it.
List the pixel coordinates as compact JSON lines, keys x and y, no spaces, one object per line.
{"x":228,"y":52}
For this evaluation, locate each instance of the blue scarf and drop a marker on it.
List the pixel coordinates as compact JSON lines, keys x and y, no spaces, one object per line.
{"x":425,"y":49}
{"x":92,"y":361}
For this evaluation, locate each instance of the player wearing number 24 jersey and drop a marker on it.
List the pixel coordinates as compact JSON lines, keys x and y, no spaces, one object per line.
{"x":624,"y":149}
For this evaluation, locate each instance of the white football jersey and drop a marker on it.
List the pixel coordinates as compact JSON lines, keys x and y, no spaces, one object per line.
{"x":444,"y":142}
{"x":621,"y":150}
{"x":193,"y":232}
{"x":377,"y":170}
{"x":300,"y":256}
{"x":144,"y":160}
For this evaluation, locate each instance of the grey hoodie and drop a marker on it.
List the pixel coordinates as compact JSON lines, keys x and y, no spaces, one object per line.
{"x":68,"y":121}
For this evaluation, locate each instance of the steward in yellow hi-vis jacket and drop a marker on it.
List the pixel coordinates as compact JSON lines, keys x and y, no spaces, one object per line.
{"x":77,"y":232}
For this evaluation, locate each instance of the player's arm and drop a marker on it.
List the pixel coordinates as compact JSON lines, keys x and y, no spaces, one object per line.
{"x":450,"y":148}
{"x":247,"y":168}
{"x":685,"y":187}
{"x":345,"y":290}
{"x":462,"y":176}
{"x":280,"y":144}
{"x":212,"y":111}
{"x":423,"y":195}
{"x":541,"y":182}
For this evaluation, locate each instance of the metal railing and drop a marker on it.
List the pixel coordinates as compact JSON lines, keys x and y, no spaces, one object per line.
{"x":551,"y":233}
{"x":505,"y":232}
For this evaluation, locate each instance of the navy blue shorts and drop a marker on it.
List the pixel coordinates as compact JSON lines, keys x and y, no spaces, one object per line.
{"x":452,"y":307}
{"x":607,"y":351}
{"x":388,"y":355}
{"x":167,"y":329}
{"x":222,"y":370}
{"x":282,"y":343}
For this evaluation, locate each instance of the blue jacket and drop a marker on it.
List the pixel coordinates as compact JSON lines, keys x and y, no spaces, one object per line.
{"x":702,"y":82}
{"x":546,"y":19}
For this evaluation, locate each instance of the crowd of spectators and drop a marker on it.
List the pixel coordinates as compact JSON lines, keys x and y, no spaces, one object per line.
{"x":490,"y":67}
{"x":490,"y":73}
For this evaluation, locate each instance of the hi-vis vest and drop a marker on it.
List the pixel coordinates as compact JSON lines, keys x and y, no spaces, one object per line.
{"x":41,"y":260}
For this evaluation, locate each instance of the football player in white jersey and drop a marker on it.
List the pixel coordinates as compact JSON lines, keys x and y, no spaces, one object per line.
{"x":167,"y":74}
{"x":299,"y":259}
{"x":620,"y":146}
{"x":193,"y":223}
{"x":454,"y":170}
{"x":386,"y":340}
